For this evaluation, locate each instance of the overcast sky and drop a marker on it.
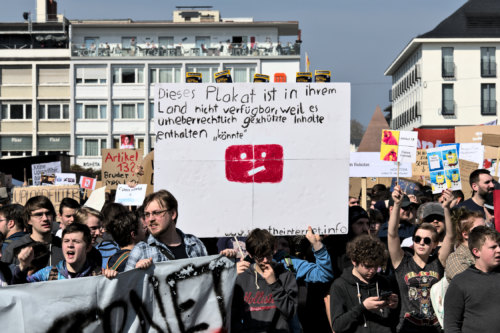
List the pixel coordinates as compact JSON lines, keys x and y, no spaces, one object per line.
{"x":355,"y":39}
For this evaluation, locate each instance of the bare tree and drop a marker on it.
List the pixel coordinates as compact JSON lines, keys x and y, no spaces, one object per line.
{"x":357,"y":132}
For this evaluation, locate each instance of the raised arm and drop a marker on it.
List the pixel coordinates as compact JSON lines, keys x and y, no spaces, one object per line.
{"x":449,"y":238}
{"x":393,"y":241}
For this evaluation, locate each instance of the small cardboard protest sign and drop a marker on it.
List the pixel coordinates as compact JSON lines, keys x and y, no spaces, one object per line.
{"x":421,"y":165}
{"x":147,"y":176}
{"x":119,"y":166}
{"x":368,"y":164}
{"x":55,"y":193}
{"x":466,"y":168}
{"x":444,"y":168}
{"x":65,"y":179}
{"x":88,"y":183}
{"x":44,"y":168}
{"x":130,"y":196}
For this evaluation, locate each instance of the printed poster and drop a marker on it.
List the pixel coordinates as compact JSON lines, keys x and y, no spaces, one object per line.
{"x":444,"y":168}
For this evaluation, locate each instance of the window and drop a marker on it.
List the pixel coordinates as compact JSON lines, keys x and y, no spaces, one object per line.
{"x":89,"y":147}
{"x":53,"y":111}
{"x":53,"y":75}
{"x":488,"y":99}
{"x":90,"y":111}
{"x":127,"y":42}
{"x":16,"y":75}
{"x":128,"y":111}
{"x":448,"y":103}
{"x":16,"y":111}
{"x":241,"y":73}
{"x":91,"y":75}
{"x":166,"y":42}
{"x":91,"y":42}
{"x":207,"y":73}
{"x":165,"y":75}
{"x":128,"y":75}
{"x":488,"y":63}
{"x":448,"y":66}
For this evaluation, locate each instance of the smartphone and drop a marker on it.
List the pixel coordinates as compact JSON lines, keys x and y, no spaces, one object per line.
{"x":384,"y":295}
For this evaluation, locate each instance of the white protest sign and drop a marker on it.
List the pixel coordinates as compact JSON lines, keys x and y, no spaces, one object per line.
{"x":97,"y":198}
{"x":254,"y":155}
{"x":45,"y":168}
{"x":368,"y":164}
{"x":65,"y":179}
{"x":187,"y":295}
{"x":407,"y":150}
{"x":473,"y":152}
{"x":130,"y":196}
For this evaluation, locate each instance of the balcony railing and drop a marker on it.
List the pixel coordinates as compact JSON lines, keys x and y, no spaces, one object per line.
{"x":448,"y":108}
{"x":488,"y":69}
{"x":448,"y":69}
{"x":489,"y":107}
{"x":234,"y":49}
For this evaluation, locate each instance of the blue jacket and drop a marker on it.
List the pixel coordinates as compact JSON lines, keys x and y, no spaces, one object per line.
{"x":59,"y":272}
{"x":321,"y":271}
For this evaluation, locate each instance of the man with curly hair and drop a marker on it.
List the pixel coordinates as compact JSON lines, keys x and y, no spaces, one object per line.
{"x":361,"y":299}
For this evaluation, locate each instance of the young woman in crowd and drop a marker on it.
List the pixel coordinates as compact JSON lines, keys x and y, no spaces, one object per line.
{"x":416,"y":273}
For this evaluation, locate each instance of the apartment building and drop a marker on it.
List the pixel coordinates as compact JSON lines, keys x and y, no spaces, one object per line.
{"x":447,"y":77}
{"x":74,"y":86}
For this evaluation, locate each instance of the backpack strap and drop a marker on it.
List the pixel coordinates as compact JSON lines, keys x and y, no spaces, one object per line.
{"x":164,"y":251}
{"x":289,"y":263}
{"x":124,"y":256}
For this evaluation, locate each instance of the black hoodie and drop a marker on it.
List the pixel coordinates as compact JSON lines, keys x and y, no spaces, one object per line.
{"x":261,"y":307}
{"x":347,"y":311}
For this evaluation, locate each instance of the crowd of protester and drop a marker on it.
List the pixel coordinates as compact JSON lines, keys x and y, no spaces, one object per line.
{"x":412,"y":262}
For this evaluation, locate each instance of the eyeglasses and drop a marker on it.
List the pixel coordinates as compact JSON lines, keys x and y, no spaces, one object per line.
{"x":155,"y":213}
{"x":418,"y":239}
{"x":39,"y":215}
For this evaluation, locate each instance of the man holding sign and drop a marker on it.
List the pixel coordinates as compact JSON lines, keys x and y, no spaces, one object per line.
{"x":165,"y":241}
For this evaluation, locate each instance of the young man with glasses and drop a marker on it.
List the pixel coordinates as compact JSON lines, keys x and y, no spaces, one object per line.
{"x":39,"y":215}
{"x":165,"y":242}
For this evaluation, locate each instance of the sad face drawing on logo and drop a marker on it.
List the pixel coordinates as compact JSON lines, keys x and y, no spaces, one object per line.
{"x":254,"y":163}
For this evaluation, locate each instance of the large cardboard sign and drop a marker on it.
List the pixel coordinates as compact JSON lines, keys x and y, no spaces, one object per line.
{"x":465,"y":134}
{"x":55,"y":193}
{"x":189,"y":295}
{"x":370,"y":165}
{"x":241,"y":156}
{"x":466,"y":168}
{"x":44,"y":168}
{"x":119,"y":166}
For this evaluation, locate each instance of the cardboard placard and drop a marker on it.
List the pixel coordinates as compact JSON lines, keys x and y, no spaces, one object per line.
{"x":119,"y":166}
{"x":466,"y":168}
{"x":21,"y":195}
{"x":148,"y":172}
{"x":475,"y":134}
{"x":421,"y":166}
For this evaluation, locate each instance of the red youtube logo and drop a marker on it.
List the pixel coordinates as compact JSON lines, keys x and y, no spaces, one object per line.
{"x":254,"y":163}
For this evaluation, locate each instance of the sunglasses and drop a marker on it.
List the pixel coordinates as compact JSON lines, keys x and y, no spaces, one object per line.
{"x":418,"y":239}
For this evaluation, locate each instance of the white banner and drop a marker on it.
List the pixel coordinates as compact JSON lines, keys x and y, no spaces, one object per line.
{"x":187,"y":295}
{"x":370,"y":165}
{"x":267,"y":155}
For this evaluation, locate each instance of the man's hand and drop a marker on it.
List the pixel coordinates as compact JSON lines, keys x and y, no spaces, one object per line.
{"x":447,"y":196}
{"x":109,"y":273}
{"x":230,"y":253}
{"x":268,"y":273}
{"x":373,"y":303}
{"x":397,"y":195}
{"x":314,"y":239}
{"x":144,"y":263}
{"x":242,"y":266}
{"x":393,"y":301}
{"x":25,"y":258}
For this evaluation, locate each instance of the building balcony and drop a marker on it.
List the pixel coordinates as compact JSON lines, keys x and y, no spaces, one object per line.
{"x":488,"y":69}
{"x":489,"y":107}
{"x":232,"y":50}
{"x":448,"y":69}
{"x":448,"y":108}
